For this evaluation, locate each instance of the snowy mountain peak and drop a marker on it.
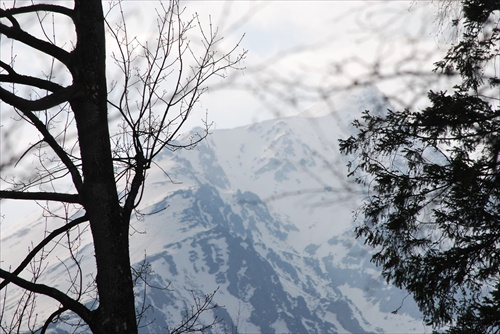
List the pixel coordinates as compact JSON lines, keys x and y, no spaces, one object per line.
{"x":263,"y":215}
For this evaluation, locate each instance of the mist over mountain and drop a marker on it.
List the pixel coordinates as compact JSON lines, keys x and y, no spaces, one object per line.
{"x":264,"y":215}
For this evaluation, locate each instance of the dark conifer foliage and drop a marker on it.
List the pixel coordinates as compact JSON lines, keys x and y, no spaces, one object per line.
{"x":432,"y":212}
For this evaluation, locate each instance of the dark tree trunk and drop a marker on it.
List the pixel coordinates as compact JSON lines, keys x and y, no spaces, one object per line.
{"x":116,"y":311}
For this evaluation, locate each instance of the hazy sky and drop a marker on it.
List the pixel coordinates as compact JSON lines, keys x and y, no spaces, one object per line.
{"x":305,"y":42}
{"x":302,"y":42}
{"x":295,"y":50}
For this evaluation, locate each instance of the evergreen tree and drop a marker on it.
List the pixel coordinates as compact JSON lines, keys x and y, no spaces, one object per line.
{"x":433,"y":211}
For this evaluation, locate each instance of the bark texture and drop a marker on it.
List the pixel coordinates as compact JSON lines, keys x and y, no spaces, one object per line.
{"x":116,"y":311}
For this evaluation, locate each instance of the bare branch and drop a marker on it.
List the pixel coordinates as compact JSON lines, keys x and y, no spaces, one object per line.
{"x":16,"y":78}
{"x":136,"y":184}
{"x":51,"y":318}
{"x":43,"y":289}
{"x":61,"y":153}
{"x":38,"y":8}
{"x":15,"y":32}
{"x":39,"y":247}
{"x":39,"y":196}
{"x":190,"y":322}
{"x":47,"y":102}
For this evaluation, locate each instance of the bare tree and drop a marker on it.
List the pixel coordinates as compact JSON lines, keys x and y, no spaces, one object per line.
{"x":102,"y":142}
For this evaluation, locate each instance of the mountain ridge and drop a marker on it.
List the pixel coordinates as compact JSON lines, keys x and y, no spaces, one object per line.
{"x":262,"y":214}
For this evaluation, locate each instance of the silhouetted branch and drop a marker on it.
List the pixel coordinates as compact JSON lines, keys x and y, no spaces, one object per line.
{"x":190,"y":323}
{"x":39,"y":8}
{"x":58,"y":150}
{"x":62,"y":95}
{"x":40,"y":246}
{"x":39,"y":196}
{"x":16,"y":78}
{"x":51,"y":318}
{"x":15,"y":32}
{"x":54,"y":293}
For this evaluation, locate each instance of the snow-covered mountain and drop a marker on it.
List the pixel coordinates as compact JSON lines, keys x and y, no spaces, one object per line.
{"x":263,"y":215}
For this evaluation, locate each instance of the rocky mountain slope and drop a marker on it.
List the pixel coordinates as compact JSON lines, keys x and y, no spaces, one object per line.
{"x":261,"y":214}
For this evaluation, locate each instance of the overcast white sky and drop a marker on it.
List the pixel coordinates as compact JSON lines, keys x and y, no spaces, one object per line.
{"x":302,"y":42}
